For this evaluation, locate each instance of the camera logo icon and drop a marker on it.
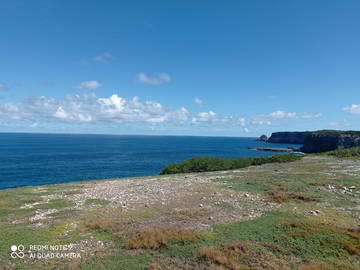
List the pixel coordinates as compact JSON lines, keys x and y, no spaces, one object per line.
{"x":17,"y":251}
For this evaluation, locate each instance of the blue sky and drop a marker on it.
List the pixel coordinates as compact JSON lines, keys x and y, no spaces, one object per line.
{"x":233,"y":68}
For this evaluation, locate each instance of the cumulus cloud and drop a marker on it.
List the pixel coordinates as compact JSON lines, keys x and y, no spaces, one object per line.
{"x":159,"y":78}
{"x":3,"y":87}
{"x":353,"y":109}
{"x":310,"y":115}
{"x":281,"y":114}
{"x":89,"y":85}
{"x":241,"y":121}
{"x":89,"y":108}
{"x":267,"y":119}
{"x":211,"y":117}
{"x":198,"y":101}
{"x":260,"y":122}
{"x":103,"y":57}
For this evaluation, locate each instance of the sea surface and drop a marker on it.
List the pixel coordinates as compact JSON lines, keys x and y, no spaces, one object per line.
{"x":37,"y":159}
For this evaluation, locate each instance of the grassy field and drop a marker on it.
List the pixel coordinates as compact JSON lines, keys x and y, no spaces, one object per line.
{"x":300,"y":215}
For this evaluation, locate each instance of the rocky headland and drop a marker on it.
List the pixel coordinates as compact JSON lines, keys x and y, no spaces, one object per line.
{"x":318,"y":141}
{"x":296,"y":137}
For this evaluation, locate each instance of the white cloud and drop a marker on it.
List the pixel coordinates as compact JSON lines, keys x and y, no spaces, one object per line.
{"x":353,"y":109}
{"x":267,"y":119}
{"x":89,"y":85}
{"x":3,"y":87}
{"x":211,"y":117}
{"x":310,"y":115}
{"x":103,"y":57}
{"x":159,"y":78}
{"x":281,"y":114}
{"x":198,"y":101}
{"x":88,"y":108}
{"x":259,"y":122}
{"x":242,"y":121}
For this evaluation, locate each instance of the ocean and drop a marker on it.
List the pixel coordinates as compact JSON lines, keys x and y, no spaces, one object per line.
{"x":38,"y":159}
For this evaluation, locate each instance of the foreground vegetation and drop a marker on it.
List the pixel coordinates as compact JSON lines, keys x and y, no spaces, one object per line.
{"x":353,"y":152}
{"x":207,"y":164}
{"x":311,"y":222}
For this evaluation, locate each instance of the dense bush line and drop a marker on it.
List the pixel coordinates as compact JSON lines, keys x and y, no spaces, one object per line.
{"x":353,"y":152}
{"x":204,"y":164}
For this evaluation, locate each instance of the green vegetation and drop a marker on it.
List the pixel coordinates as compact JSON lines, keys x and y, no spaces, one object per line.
{"x":337,"y":132}
{"x":96,"y":202}
{"x":55,"y":204}
{"x":286,"y":235}
{"x":205,"y":164}
{"x":120,"y":261}
{"x":353,"y":152}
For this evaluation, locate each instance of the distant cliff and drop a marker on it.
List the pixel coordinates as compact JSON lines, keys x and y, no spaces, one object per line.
{"x":296,"y":137}
{"x":318,"y":141}
{"x":323,"y":141}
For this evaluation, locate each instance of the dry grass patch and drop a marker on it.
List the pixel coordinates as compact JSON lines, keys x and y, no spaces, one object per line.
{"x":109,"y":225}
{"x":280,"y":197}
{"x":155,"y":238}
{"x":227,"y":258}
{"x":325,"y":266}
{"x":324,"y":183}
{"x":316,"y":266}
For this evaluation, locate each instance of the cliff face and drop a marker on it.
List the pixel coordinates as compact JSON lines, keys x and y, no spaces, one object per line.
{"x":289,"y":137}
{"x":316,"y":143}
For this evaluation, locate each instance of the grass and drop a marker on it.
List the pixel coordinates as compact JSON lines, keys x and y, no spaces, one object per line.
{"x":96,"y":202}
{"x":353,"y":152}
{"x":56,"y":204}
{"x":204,"y":164}
{"x":281,"y":234}
{"x":155,"y":238}
{"x":118,"y":261}
{"x":229,"y":256}
{"x":286,"y":238}
{"x":281,"y":197}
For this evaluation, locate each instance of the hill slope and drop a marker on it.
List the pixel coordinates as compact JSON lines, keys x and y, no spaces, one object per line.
{"x":297,"y":215}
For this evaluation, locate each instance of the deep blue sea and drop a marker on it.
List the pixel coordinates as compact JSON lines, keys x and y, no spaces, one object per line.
{"x":37,"y":159}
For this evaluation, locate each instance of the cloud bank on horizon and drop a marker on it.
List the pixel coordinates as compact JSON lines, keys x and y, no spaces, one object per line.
{"x":89,"y":108}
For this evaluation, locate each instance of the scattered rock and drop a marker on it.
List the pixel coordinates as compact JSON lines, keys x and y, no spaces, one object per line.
{"x":315,"y":212}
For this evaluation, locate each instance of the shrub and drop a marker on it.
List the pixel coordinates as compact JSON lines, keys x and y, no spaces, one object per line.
{"x":204,"y":164}
{"x":353,"y":152}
